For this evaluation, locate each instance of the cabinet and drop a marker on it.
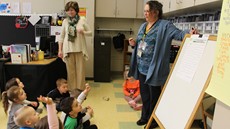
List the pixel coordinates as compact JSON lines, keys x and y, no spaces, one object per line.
{"x":102,"y":57}
{"x":200,"y":2}
{"x":127,"y":54}
{"x":166,"y":6}
{"x":116,"y":8}
{"x":180,"y":4}
{"x":140,"y":9}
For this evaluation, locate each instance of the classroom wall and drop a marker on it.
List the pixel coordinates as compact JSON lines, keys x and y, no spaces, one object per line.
{"x":42,"y":6}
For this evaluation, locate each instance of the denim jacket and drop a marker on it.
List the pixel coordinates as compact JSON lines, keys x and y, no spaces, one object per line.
{"x":159,"y":67}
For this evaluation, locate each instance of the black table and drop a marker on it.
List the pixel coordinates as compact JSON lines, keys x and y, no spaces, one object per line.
{"x":2,"y":73}
{"x":39,"y":77}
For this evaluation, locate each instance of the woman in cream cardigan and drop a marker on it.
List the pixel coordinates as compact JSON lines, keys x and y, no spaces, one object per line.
{"x":72,"y":46}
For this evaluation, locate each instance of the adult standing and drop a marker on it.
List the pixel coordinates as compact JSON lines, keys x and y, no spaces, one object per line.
{"x":72,"y":46}
{"x":151,"y":57}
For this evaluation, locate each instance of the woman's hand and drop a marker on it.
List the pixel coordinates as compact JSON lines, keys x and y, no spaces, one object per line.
{"x":80,"y":30}
{"x":193,"y":31}
{"x":60,"y":54}
{"x":132,"y":42}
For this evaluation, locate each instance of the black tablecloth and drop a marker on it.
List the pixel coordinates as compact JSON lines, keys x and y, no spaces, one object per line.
{"x":2,"y":74}
{"x":38,"y":79}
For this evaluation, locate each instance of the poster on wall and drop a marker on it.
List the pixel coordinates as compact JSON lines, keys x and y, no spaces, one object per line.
{"x":219,"y":84}
{"x":4,"y":7}
{"x":82,"y":12}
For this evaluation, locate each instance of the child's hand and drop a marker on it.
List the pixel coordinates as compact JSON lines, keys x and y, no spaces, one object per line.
{"x":34,"y":104}
{"x":87,"y":88}
{"x":46,"y":100}
{"x":131,"y":95}
{"x":90,"y":111}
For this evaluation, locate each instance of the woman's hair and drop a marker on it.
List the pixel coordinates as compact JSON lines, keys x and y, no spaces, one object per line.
{"x":10,"y":83}
{"x":155,"y":6}
{"x":72,"y":4}
{"x":66,"y":105}
{"x":11,"y":95}
{"x":43,"y":123}
{"x":60,"y":82}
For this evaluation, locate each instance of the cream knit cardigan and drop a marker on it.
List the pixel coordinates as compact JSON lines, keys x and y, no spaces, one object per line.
{"x":79,"y":45}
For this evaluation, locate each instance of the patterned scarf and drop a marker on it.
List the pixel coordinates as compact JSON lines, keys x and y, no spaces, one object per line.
{"x":72,"y":28}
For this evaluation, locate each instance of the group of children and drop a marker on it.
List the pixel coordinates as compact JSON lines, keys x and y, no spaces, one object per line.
{"x":22,"y":112}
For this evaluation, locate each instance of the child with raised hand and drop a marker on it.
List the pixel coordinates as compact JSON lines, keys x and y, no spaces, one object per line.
{"x":131,"y":89}
{"x":59,"y":93}
{"x":50,"y":121}
{"x":81,"y":96}
{"x":27,"y":118}
{"x":74,"y":117}
{"x":17,"y":82}
{"x":17,"y":96}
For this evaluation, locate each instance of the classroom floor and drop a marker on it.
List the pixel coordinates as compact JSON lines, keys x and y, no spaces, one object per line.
{"x":114,"y":113}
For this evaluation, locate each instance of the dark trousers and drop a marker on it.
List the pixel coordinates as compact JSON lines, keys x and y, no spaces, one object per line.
{"x":149,"y":96}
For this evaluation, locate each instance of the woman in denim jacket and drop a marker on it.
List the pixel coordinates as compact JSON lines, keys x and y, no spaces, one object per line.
{"x":151,"y":56}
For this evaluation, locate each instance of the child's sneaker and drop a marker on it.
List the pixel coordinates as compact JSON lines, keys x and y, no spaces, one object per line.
{"x":132,"y":103}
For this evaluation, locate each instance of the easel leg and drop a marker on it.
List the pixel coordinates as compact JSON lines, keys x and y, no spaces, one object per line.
{"x":149,"y":122}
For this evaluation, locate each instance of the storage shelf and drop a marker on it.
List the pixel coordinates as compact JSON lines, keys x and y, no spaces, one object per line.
{"x":207,"y":27}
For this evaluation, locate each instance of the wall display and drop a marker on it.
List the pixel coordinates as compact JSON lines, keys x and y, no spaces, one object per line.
{"x":12,"y":35}
{"x":219,"y":85}
{"x":21,"y":22}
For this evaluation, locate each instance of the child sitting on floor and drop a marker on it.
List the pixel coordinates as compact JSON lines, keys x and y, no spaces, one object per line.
{"x":16,"y":96}
{"x":27,"y":118}
{"x":131,"y":89}
{"x":17,"y":82}
{"x":59,"y":93}
{"x":74,"y":117}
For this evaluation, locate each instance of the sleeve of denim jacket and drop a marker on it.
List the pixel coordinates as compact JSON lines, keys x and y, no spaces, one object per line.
{"x":176,"y":33}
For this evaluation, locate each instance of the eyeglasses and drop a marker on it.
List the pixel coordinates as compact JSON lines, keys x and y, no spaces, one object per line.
{"x":147,"y":11}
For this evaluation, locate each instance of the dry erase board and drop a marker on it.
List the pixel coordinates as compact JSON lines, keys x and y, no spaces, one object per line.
{"x":184,"y":88}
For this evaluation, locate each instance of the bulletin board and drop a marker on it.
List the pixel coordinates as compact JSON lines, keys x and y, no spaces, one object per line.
{"x":185,"y":86}
{"x":9,"y":34}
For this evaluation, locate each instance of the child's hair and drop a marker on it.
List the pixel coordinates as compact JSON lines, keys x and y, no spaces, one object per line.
{"x":66,"y":105}
{"x":10,"y":83}
{"x":75,"y":93}
{"x":21,"y":116}
{"x":43,"y":123}
{"x":11,"y":95}
{"x":60,"y":82}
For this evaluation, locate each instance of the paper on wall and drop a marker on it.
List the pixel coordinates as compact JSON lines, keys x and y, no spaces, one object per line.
{"x":56,"y":30}
{"x":15,"y":7}
{"x":26,"y":8}
{"x":34,"y":19}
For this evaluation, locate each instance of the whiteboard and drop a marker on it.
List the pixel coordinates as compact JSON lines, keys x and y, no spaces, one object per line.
{"x":180,"y":97}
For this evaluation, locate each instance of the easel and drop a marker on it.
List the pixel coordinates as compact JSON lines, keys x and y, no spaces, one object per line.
{"x":187,"y":123}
